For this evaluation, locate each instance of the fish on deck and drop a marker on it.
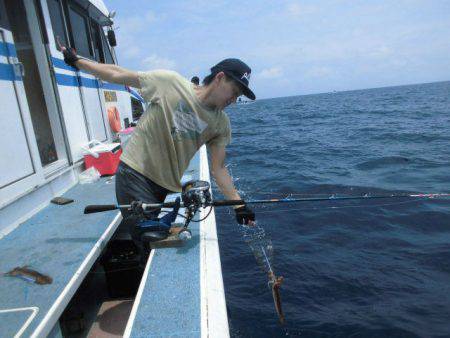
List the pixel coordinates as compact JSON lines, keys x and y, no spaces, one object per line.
{"x":29,"y":275}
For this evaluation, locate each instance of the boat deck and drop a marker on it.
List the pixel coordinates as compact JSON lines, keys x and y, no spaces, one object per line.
{"x":61,"y":242}
{"x":181,"y":292}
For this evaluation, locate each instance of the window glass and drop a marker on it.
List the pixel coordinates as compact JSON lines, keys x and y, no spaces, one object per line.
{"x":80,"y":33}
{"x":106,"y":51}
{"x":3,"y":19}
{"x":96,"y":41}
{"x":56,"y":16}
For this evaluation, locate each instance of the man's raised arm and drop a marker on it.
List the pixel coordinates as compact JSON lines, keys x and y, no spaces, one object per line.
{"x":106,"y":72}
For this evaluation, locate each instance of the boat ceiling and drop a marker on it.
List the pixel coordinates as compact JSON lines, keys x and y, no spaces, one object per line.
{"x":97,"y":10}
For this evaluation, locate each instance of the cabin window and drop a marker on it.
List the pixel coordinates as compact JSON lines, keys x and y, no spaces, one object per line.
{"x":106,"y":51}
{"x":57,"y":18}
{"x":96,"y":41}
{"x":80,"y":33}
{"x":3,"y":19}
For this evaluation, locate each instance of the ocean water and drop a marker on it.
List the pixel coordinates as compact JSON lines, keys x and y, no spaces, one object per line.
{"x":370,"y":268}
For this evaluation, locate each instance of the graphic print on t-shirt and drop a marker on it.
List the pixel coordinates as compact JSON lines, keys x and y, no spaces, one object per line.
{"x":186,"y":123}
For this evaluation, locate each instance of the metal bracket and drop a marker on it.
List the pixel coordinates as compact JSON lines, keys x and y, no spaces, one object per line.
{"x":19,"y":69}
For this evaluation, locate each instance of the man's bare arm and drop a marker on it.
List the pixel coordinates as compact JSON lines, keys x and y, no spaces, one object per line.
{"x":244,"y":215}
{"x":221,"y":174}
{"x":110,"y":73}
{"x":106,"y":72}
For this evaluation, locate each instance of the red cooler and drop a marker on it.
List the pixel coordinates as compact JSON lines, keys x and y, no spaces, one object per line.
{"x":104,"y":157}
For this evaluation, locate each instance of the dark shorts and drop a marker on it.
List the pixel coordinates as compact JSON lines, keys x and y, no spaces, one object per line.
{"x":133,"y":186}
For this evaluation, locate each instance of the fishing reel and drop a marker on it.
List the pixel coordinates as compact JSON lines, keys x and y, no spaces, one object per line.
{"x":195,"y":194}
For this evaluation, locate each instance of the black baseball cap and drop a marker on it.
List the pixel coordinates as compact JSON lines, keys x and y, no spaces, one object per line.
{"x":238,"y":71}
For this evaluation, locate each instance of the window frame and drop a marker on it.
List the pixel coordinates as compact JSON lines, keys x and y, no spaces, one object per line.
{"x":105,"y":46}
{"x":62,"y":13}
{"x":97,"y":30}
{"x":72,"y":6}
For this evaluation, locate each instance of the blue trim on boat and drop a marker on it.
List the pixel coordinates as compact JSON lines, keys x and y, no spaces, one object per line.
{"x":88,"y":83}
{"x":85,"y":82}
{"x":66,"y":80}
{"x":7,"y":73}
{"x":113,"y":86}
{"x":58,"y":63}
{"x":7,"y":49}
{"x":136,"y":95}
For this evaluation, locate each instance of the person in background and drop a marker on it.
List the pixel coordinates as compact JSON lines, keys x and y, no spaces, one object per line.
{"x":195,"y":80}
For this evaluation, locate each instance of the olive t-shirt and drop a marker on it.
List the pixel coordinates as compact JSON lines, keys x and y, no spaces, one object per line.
{"x":175,"y":125}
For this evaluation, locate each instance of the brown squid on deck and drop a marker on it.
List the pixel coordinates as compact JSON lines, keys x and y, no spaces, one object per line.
{"x":29,"y":275}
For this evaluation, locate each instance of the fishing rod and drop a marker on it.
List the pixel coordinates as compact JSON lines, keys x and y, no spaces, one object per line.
{"x":196,"y":194}
{"x":202,"y":186}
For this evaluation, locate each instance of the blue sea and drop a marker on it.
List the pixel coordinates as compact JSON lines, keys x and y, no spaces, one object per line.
{"x":371,"y":268}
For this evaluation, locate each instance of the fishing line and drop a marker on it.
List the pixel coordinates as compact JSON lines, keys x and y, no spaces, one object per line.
{"x":259,"y":211}
{"x":342,"y":207}
{"x":295,"y":194}
{"x":261,"y":246}
{"x":267,"y":260}
{"x":290,"y":194}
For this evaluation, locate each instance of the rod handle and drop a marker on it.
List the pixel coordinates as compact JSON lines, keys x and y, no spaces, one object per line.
{"x":90,"y":209}
{"x":224,"y":203}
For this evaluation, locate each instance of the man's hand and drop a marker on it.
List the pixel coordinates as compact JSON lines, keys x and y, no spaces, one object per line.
{"x":245,"y":215}
{"x":70,"y":54}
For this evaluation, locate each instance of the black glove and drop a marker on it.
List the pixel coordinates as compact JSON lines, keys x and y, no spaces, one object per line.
{"x":244,"y":214}
{"x":70,"y":56}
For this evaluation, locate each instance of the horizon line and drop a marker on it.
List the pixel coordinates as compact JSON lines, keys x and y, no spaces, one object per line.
{"x":351,"y":90}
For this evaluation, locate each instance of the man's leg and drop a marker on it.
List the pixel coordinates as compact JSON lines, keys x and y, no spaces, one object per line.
{"x":133,"y":186}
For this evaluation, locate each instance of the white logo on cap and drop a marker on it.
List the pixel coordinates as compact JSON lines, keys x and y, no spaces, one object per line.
{"x":246,"y":76}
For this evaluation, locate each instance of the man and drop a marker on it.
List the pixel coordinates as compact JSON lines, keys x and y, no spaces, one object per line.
{"x":195,"y":80}
{"x":181,"y":118}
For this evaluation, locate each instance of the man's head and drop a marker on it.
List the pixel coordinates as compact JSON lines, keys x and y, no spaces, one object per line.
{"x":228,"y":80}
{"x":195,"y":80}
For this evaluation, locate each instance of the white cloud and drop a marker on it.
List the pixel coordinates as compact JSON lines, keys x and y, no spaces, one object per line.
{"x":270,"y":73}
{"x":296,"y":10}
{"x":156,"y":62}
{"x":380,"y":52}
{"x":318,"y":72}
{"x":131,"y":52}
{"x":150,"y":17}
{"x":137,"y":23}
{"x":129,"y":32}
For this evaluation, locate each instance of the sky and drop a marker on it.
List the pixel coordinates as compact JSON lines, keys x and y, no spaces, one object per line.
{"x":293,"y":47}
